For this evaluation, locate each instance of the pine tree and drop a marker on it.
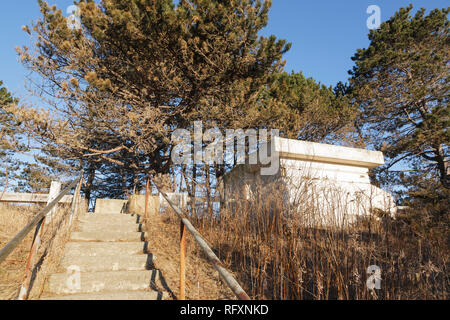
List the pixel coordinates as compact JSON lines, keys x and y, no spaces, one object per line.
{"x":306,"y":109}
{"x":6,"y":127}
{"x":401,"y":86}
{"x":8,"y":136}
{"x":136,"y":70}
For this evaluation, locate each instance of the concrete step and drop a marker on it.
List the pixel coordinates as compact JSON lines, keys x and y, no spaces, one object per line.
{"x":127,"y":221}
{"x":109,"y":281}
{"x":112,"y":226}
{"x":125,"y":295}
{"x":108,"y":236}
{"x":104,"y":248}
{"x":108,"y":263}
{"x":90,"y":214}
{"x":110,"y":217}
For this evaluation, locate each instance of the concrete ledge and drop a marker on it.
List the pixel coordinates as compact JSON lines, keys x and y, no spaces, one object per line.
{"x":296,"y":149}
{"x":110,"y":206}
{"x":31,"y":198}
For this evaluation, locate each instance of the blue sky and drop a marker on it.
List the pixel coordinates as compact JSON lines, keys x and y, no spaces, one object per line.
{"x":324,"y":34}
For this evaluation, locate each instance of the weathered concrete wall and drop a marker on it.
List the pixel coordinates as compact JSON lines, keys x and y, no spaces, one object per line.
{"x":241,"y":183}
{"x":84,"y":206}
{"x":136,"y":204}
{"x":109,"y":206}
{"x":180,"y":199}
{"x":325,"y":171}
{"x":31,"y":198}
{"x":329,"y":183}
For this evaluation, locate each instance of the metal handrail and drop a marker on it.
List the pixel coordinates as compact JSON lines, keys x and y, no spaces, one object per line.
{"x":38,"y":222}
{"x":6,"y":251}
{"x":186,"y":224}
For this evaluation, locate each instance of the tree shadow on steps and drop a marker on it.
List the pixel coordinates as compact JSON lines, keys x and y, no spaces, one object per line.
{"x":157,"y":275}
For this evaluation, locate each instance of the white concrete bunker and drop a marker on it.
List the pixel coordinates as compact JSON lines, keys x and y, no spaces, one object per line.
{"x":329,"y":182}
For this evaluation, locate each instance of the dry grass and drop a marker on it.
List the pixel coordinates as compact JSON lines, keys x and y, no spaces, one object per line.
{"x":12,"y":220}
{"x":277,"y":256}
{"x":202,"y":281}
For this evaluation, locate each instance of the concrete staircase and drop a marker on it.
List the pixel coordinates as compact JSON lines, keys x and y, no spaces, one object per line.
{"x":111,"y":252}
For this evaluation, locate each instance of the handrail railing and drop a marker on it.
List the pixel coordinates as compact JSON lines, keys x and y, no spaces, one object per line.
{"x":186,"y":224}
{"x":37,"y":222}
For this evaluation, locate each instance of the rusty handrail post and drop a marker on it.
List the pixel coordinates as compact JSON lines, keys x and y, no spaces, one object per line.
{"x":23,"y":293}
{"x":224,"y":274}
{"x":182,"y":261}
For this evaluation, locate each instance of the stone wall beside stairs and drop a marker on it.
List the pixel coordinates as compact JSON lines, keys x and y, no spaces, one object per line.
{"x":110,"y":206}
{"x":136,"y":204}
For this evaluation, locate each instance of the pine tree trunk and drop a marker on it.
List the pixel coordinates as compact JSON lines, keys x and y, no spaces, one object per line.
{"x":89,"y":182}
